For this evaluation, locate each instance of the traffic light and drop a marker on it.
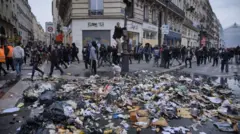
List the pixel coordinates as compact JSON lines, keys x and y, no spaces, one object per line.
{"x":128,"y":2}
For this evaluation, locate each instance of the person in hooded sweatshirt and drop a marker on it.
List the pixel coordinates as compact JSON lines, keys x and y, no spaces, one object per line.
{"x":93,"y":56}
{"x":18,"y":56}
{"x":36,"y":61}
{"x":54,"y":58}
{"x":189,"y":57}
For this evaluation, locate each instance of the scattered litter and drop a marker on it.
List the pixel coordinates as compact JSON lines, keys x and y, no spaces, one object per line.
{"x":10,"y":110}
{"x":143,"y":100}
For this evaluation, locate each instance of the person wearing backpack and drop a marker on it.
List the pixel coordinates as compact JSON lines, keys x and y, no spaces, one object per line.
{"x":75,"y":52}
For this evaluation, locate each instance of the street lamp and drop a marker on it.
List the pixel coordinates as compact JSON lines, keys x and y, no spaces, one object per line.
{"x":125,"y":55}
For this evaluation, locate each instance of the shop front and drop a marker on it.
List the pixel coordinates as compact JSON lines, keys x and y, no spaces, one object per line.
{"x":88,"y":30}
{"x":172,"y":39}
{"x":150,"y":34}
{"x":134,"y":33}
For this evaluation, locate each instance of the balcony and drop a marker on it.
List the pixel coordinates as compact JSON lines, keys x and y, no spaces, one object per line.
{"x":176,"y":9}
{"x":95,"y":12}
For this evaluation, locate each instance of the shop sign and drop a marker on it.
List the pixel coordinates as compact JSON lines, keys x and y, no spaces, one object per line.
{"x":132,"y":26}
{"x":150,"y":27}
{"x":165,"y":29}
{"x":95,"y":24}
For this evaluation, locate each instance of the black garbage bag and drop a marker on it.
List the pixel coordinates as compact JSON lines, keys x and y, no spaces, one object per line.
{"x":42,"y":131}
{"x":47,"y":97}
{"x":30,"y":126}
{"x":55,"y":112}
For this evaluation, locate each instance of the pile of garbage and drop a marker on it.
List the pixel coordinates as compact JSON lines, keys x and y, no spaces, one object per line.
{"x":140,"y":102}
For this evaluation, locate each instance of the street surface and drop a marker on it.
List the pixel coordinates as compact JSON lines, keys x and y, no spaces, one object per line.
{"x":9,"y":123}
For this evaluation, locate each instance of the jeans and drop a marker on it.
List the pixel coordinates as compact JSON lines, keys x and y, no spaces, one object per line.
{"x":147,"y":58}
{"x":18,"y":65}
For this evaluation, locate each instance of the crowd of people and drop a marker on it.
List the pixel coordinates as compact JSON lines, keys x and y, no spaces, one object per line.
{"x":97,"y":55}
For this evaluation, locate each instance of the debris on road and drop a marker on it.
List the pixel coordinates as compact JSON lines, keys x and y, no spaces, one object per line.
{"x":138,"y":101}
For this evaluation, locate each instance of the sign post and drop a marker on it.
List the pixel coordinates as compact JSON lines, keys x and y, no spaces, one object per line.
{"x":49,"y":29}
{"x":165,"y":29}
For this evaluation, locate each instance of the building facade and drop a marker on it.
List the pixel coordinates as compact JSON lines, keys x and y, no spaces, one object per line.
{"x":16,"y":22}
{"x":89,"y":20}
{"x":25,"y":22}
{"x":8,"y":21}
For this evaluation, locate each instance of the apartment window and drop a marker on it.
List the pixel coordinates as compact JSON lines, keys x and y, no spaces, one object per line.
{"x":154,"y":17}
{"x":96,"y":7}
{"x":146,"y":13}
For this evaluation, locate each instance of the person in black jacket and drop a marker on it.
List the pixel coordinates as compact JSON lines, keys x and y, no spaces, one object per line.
{"x":75,"y":52}
{"x":118,"y":32}
{"x":215,"y":55}
{"x":166,"y":56}
{"x":60,"y":55}
{"x":54,"y":58}
{"x":198,"y":55}
{"x":225,"y":59}
{"x":36,"y":61}
{"x":189,"y":56}
{"x":85,"y":53}
{"x":205,"y":54}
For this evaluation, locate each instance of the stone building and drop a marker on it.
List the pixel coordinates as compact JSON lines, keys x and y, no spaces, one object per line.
{"x":16,"y":22}
{"x":8,"y":20}
{"x":89,"y":20}
{"x":25,"y":22}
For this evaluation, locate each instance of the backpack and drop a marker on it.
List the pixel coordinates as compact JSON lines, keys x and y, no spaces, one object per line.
{"x":77,"y":50}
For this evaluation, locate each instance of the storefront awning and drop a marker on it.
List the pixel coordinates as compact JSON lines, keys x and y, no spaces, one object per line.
{"x":172,"y":36}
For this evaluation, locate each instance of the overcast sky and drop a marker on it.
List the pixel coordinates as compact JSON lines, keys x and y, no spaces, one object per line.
{"x":227,"y":11}
{"x":42,"y":9}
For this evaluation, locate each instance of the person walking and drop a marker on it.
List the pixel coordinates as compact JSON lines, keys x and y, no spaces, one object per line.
{"x":75,"y":52}
{"x":198,"y":55}
{"x":18,"y":56}
{"x":189,"y":57}
{"x":183,"y":53}
{"x":156,"y":54}
{"x":175,"y":54}
{"x":9,"y":56}
{"x":85,"y":53}
{"x":54,"y":61}
{"x":139,"y":52}
{"x":205,"y":55}
{"x":2,"y":60}
{"x":93,"y":57}
{"x":225,"y":59}
{"x":60,"y":55}
{"x":166,"y":56}
{"x":215,"y":55}
{"x":36,"y":62}
{"x":147,"y":51}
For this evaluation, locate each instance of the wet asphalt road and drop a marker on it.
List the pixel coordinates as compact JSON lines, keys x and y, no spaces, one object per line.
{"x":9,"y":123}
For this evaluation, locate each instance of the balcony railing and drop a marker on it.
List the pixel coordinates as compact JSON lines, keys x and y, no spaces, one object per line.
{"x":95,"y":12}
{"x":176,"y":9}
